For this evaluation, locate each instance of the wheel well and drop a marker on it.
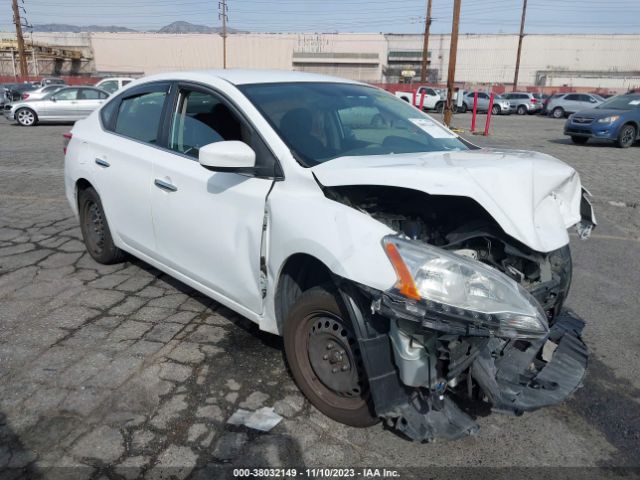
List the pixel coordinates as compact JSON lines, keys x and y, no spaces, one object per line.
{"x":300,"y":273}
{"x":82,"y":184}
{"x":633,"y":124}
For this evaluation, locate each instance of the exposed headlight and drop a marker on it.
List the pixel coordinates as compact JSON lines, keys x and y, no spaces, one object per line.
{"x":463,"y":290}
{"x":610,"y":119}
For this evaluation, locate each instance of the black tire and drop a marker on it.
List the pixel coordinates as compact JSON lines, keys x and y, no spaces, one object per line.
{"x":323,"y":356}
{"x":26,"y":117}
{"x":579,"y":140}
{"x":439,"y":107}
{"x":495,"y":110}
{"x":521,"y":110}
{"x":95,"y":229}
{"x":557,"y":112}
{"x":463,"y":108}
{"x":626,"y":136}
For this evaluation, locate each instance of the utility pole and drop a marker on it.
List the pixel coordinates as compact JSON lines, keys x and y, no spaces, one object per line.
{"x":222,"y":15}
{"x":425,"y":44}
{"x":524,"y":13}
{"x":453,"y":52}
{"x":21,"y":54}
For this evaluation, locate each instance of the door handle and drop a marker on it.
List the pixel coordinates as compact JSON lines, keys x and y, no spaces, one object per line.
{"x":165,"y":185}
{"x":102,"y":162}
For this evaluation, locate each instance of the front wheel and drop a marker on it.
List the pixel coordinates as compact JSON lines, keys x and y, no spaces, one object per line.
{"x":26,"y":117}
{"x":463,"y":108}
{"x":95,"y":229}
{"x":626,"y":137}
{"x":324,"y":358}
{"x":579,"y":140}
{"x":495,"y":110}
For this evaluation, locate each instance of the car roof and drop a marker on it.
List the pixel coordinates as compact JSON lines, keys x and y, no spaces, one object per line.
{"x":249,"y":76}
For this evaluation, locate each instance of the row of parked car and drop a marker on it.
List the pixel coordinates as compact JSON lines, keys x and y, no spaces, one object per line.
{"x":52,"y":100}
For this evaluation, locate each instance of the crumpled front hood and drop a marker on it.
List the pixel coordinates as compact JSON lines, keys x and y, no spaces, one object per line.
{"x":533,"y":196}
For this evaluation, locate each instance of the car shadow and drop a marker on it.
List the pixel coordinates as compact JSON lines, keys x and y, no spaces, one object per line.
{"x":590,"y":143}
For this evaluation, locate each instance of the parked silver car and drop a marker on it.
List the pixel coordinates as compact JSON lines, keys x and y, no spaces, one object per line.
{"x":40,"y":93}
{"x":524,"y":102}
{"x":568,"y":103}
{"x":66,"y":104}
{"x":500,"y":104}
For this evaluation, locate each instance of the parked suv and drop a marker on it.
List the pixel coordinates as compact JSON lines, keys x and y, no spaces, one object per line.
{"x":568,"y":103}
{"x":617,"y":120}
{"x":523,"y":102}
{"x":500,"y":104}
{"x":406,"y":269}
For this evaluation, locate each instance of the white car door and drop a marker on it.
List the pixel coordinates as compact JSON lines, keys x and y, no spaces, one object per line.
{"x":208,"y":224}
{"x":122,"y":159}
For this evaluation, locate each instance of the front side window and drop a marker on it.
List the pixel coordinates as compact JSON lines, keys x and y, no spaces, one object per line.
{"x":67,"y":94}
{"x":325,"y":121}
{"x":139,"y":116}
{"x":202,"y":118}
{"x":572,"y":97}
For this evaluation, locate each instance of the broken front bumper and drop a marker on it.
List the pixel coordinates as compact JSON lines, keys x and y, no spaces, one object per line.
{"x":543,"y":373}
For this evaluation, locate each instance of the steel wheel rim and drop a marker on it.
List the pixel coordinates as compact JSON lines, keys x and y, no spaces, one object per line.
{"x":95,"y":226}
{"x":333,"y":356}
{"x":26,"y":117}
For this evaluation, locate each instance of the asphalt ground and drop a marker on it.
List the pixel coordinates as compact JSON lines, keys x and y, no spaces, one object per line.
{"x":121,"y":371}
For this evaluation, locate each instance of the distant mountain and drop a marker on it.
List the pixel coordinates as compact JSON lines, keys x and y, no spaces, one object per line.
{"x":175,"y":27}
{"x":63,"y":27}
{"x":186,"y":27}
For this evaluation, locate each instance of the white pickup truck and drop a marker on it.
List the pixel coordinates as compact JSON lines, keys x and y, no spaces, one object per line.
{"x":432,"y":99}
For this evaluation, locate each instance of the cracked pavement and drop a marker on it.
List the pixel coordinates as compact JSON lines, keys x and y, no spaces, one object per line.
{"x":121,"y":371}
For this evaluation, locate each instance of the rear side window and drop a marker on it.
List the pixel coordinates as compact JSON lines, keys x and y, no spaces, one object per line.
{"x":90,"y":94}
{"x":139,"y":116}
{"x":572,"y":97}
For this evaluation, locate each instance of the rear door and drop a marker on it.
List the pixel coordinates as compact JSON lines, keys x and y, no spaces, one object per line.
{"x":571,"y":103}
{"x":89,"y":99}
{"x":123,"y":156}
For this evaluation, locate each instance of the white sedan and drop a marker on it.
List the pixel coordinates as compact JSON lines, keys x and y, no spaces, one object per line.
{"x":404,"y":267}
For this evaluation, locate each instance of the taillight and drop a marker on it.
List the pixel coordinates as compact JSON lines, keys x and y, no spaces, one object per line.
{"x":25,"y":96}
{"x":67,"y":139}
{"x":534,"y":100}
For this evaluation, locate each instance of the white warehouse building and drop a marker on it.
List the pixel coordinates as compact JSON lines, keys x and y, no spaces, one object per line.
{"x":590,"y":60}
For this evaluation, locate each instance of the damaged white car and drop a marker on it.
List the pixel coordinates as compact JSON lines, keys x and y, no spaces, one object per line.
{"x":409,"y":271}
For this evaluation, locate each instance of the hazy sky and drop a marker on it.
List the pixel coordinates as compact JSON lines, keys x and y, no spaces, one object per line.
{"x":403,"y":16}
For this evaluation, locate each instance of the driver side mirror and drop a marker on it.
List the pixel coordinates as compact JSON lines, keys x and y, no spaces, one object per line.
{"x":54,"y":99}
{"x":228,"y":155}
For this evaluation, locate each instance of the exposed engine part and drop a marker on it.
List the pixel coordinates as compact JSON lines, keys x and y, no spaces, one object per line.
{"x":462,"y":225}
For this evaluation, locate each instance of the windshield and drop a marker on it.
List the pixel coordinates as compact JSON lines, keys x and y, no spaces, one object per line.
{"x":621,"y":102}
{"x":322,"y":121}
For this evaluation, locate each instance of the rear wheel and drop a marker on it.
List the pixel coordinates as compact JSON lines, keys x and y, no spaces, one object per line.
{"x":557,"y":112}
{"x":324,"y":358}
{"x":95,"y":230}
{"x":521,"y":110}
{"x":627,"y":136}
{"x":579,"y":140}
{"x":26,"y":117}
{"x":463,"y":108}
